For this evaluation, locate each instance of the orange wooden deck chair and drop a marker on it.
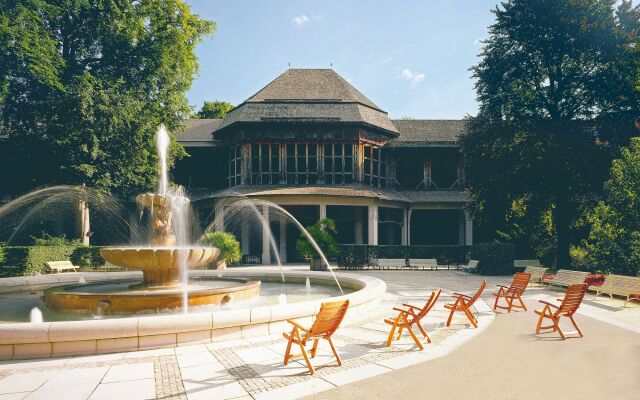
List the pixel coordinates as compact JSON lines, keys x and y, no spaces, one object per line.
{"x":513,"y":292}
{"x":464,"y":303}
{"x":411,"y":316}
{"x":570,"y":304}
{"x":327,"y":322}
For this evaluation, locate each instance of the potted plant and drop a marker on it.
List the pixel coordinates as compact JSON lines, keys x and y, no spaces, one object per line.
{"x":228,"y":245}
{"x":323,"y":233}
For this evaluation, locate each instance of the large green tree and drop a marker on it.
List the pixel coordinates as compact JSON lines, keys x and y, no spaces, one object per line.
{"x":214,"y":110}
{"x":84,"y":84}
{"x":613,"y":244}
{"x":557,"y":86}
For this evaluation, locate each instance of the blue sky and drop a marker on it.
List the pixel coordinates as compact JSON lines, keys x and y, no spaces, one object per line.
{"x":411,"y":58}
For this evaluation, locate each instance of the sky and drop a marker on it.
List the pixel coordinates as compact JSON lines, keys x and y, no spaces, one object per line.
{"x":411,"y":58}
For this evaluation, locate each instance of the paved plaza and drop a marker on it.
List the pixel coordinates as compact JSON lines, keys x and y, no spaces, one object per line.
{"x":489,"y":360}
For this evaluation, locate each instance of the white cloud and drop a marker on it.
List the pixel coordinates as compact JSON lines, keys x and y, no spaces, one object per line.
{"x":300,"y":20}
{"x":412,"y":77}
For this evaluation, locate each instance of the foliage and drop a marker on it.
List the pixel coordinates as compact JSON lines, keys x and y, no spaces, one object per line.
{"x":557,"y":81}
{"x":47,"y":240}
{"x":613,"y":244}
{"x":357,"y":256}
{"x":85,"y":84}
{"x":31,"y":260}
{"x":227,"y":244}
{"x":213,"y":110}
{"x":323,"y":232}
{"x":494,"y":258}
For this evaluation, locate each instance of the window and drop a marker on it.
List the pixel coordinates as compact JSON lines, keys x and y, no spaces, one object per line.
{"x":234,"y":175}
{"x":265,"y":163}
{"x":302,"y":164}
{"x":338,"y":163}
{"x":375,"y":168}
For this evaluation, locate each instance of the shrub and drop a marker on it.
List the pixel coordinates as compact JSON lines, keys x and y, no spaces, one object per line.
{"x":47,"y":240}
{"x":323,"y":233}
{"x":31,"y":260}
{"x":87,"y":257}
{"x":357,"y":256}
{"x":226,"y":243}
{"x":494,"y":258}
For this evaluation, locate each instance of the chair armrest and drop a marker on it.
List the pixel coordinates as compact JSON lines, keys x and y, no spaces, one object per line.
{"x":547,"y":303}
{"x":503,"y":286}
{"x":410,"y":306}
{"x":461,"y":295}
{"x":297,"y":325}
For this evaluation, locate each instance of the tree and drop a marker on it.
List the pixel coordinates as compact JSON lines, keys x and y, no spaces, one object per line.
{"x":558,"y":90}
{"x":613,"y":244}
{"x":323,"y":233}
{"x":214,"y":110}
{"x":85,"y":84}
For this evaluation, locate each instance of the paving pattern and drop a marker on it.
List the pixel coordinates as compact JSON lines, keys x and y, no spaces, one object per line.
{"x":252,"y":368}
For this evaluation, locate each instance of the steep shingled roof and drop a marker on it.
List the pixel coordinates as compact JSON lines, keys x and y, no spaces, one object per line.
{"x":199,"y":132}
{"x":310,"y":95}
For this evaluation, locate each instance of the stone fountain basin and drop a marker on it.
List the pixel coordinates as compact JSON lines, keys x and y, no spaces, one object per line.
{"x":71,"y":338}
{"x":155,"y":258}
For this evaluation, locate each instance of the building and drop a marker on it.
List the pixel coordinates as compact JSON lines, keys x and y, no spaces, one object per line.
{"x":312,"y":143}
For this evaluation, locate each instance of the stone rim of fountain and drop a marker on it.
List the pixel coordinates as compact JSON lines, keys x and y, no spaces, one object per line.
{"x":70,"y":338}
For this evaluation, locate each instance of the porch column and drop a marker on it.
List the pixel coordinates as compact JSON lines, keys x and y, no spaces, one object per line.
{"x":323,"y":211}
{"x":266,"y":235}
{"x":283,"y":239}
{"x":468,"y":228}
{"x":373,"y":225}
{"x":461,"y":228}
{"x":358,"y":225}
{"x":405,"y":226}
{"x":219,"y":218}
{"x":245,"y":245}
{"x":409,"y":227}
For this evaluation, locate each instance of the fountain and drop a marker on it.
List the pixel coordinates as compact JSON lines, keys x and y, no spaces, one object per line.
{"x":164,"y":264}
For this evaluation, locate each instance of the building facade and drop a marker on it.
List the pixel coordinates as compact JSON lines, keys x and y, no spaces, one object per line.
{"x":313,"y":144}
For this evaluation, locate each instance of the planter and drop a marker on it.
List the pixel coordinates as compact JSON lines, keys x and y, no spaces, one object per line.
{"x":317,"y":265}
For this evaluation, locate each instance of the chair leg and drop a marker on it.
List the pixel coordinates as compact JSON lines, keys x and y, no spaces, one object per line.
{"x":314,"y":349}
{"x":454,"y":307}
{"x":287,"y":353}
{"x":495,"y":304}
{"x":524,"y":307}
{"x":333,"y":349}
{"x":393,"y":329}
{"x":542,"y":317}
{"x":415,"y":338}
{"x":573,"y":321}
{"x":304,"y":353}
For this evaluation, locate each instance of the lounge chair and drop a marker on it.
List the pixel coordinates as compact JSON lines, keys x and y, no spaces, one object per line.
{"x":423,"y":263}
{"x":513,"y":292}
{"x":537,"y":273}
{"x":621,"y":285}
{"x":327,"y":322}
{"x":572,"y":300}
{"x":411,"y":315}
{"x":471,"y":266}
{"x":565,"y":278}
{"x":464,"y":303}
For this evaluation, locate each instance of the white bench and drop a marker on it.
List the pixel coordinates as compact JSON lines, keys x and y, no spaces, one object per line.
{"x":526,"y":263}
{"x":61,"y":266}
{"x":389,"y":263}
{"x":620,"y":285}
{"x":473,"y":264}
{"x":565,"y":278}
{"x":537,"y":273}
{"x":423,"y":263}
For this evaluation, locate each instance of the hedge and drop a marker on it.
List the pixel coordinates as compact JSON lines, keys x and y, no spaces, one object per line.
{"x":494,"y":258}
{"x":31,"y":260}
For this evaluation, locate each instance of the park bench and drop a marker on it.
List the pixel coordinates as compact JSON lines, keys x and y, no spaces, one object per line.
{"x":391,"y":263}
{"x":526,"y":263}
{"x":620,"y":285}
{"x":61,"y":266}
{"x":565,"y":278}
{"x":537,"y":273}
{"x":471,"y":266}
{"x":423,"y":263}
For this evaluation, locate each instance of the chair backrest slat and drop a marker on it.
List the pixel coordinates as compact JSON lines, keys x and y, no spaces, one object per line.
{"x":520,"y":282}
{"x":478,"y":293}
{"x":572,"y":299}
{"x":428,"y":306}
{"x":329,"y":318}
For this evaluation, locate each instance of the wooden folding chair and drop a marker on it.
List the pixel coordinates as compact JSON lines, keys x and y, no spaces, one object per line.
{"x":411,"y":316}
{"x":570,"y":304}
{"x":327,"y":322}
{"x":513,"y":292}
{"x":464,"y":303}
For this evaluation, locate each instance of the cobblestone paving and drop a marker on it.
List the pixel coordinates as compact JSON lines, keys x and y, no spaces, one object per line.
{"x":168,"y":379}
